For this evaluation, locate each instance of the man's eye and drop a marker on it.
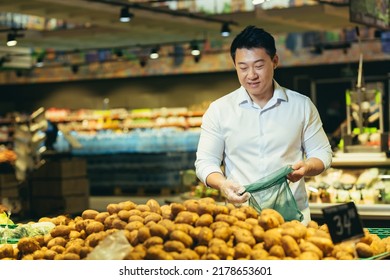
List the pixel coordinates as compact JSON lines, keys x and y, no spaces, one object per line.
{"x":259,"y":66}
{"x":243,"y":69}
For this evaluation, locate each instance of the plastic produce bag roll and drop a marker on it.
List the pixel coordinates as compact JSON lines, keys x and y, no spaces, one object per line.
{"x":273,"y":191}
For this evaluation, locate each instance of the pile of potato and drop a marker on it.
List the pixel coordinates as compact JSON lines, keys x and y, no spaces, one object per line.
{"x":192,"y":230}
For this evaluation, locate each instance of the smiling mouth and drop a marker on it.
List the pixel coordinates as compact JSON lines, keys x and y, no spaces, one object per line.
{"x":253,"y":84}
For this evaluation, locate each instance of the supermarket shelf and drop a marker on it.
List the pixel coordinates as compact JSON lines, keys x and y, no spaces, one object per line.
{"x":372,"y":212}
{"x":361,"y":160}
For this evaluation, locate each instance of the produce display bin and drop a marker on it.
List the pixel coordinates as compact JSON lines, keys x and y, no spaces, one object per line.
{"x":381,"y":232}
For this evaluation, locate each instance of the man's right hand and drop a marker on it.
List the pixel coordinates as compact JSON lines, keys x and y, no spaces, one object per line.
{"x":233,"y":192}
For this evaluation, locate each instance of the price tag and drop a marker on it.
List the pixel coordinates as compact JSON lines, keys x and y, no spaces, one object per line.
{"x":343,"y":222}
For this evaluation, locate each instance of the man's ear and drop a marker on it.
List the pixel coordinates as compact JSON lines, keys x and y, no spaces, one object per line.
{"x":275,"y":61}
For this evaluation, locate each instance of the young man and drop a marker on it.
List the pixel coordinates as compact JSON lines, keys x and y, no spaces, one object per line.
{"x":260,"y":127}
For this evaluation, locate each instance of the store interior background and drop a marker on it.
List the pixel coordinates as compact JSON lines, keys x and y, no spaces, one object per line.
{"x":324,"y":83}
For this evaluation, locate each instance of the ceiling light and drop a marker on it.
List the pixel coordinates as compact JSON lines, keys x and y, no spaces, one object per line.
{"x":195,"y":49}
{"x":125,"y":15}
{"x":11,"y":40}
{"x":154,"y":53}
{"x":39,"y":62}
{"x":225,"y":30}
{"x":257,"y":2}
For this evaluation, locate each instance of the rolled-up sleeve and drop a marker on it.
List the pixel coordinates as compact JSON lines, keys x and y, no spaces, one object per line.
{"x":209,"y":154}
{"x":316,"y":143}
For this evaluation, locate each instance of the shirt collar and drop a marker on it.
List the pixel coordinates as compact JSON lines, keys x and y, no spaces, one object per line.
{"x":244,"y":98}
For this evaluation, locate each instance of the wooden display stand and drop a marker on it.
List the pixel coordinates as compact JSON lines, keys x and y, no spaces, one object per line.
{"x":60,"y":186}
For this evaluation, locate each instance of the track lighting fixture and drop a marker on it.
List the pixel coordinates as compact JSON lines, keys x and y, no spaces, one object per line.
{"x":75,"y":68}
{"x":11,"y":40}
{"x":125,"y":15}
{"x":195,"y":49}
{"x":225,"y":30}
{"x":39,"y":62}
{"x":154,"y":53}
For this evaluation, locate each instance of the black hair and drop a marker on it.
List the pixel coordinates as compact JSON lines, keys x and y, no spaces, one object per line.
{"x":253,"y":37}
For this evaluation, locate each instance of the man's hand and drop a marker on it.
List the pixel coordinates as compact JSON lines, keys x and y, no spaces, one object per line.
{"x":300,"y":169}
{"x":234,"y":192}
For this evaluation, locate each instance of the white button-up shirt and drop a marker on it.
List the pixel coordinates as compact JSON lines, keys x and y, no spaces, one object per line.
{"x":252,"y":142}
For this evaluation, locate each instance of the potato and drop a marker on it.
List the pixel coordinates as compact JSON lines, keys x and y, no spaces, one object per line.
{"x":191,"y":205}
{"x":223,"y":233}
{"x":307,"y":246}
{"x":144,"y":234}
{"x":59,"y":240}
{"x":183,"y":227}
{"x":168,"y":224}
{"x":153,"y":241}
{"x":50,"y":254}
{"x":166,"y":212}
{"x":272,"y":237}
{"x":290,"y":246}
{"x":364,"y":250}
{"x":126,"y":205}
{"x":134,"y":225}
{"x":6,"y":251}
{"x":218,"y":224}
{"x":244,"y":236}
{"x":124,"y":215}
{"x":74,"y":234}
{"x":221,"y":209}
{"x":135,"y":218}
{"x":157,"y":253}
{"x":205,"y":235}
{"x":270,"y":218}
{"x":186,"y":217}
{"x":206,"y":208}
{"x":249,"y":211}
{"x":188,"y":254}
{"x":118,"y":224}
{"x":378,"y":246}
{"x":60,"y":230}
{"x":239,"y":214}
{"x":152,"y":217}
{"x":89,"y":214}
{"x":159,"y":230}
{"x":182,"y":237}
{"x":226,"y":218}
{"x":242,"y":224}
{"x":242,"y":250}
{"x":204,"y":220}
{"x":259,"y":254}
{"x":176,"y":208}
{"x":277,"y":251}
{"x":308,"y":255}
{"x":143,"y":208}
{"x":154,"y":206}
{"x":113,"y":208}
{"x":258,"y":233}
{"x":100,"y":217}
{"x":58,"y":249}
{"x":94,"y":227}
{"x":71,"y":256}
{"x":295,"y":229}
{"x":325,"y":244}
{"x":174,"y":246}
{"x":201,"y":250}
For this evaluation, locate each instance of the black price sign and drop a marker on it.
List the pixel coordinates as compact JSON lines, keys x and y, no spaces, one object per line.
{"x":343,"y":222}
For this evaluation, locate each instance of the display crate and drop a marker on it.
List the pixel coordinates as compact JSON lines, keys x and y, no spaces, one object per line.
{"x":381,"y":232}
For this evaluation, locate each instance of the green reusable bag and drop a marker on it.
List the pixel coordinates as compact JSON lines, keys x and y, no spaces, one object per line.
{"x":273,"y":191}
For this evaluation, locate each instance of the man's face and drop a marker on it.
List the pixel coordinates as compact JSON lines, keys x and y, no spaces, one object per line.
{"x":255,"y":70}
